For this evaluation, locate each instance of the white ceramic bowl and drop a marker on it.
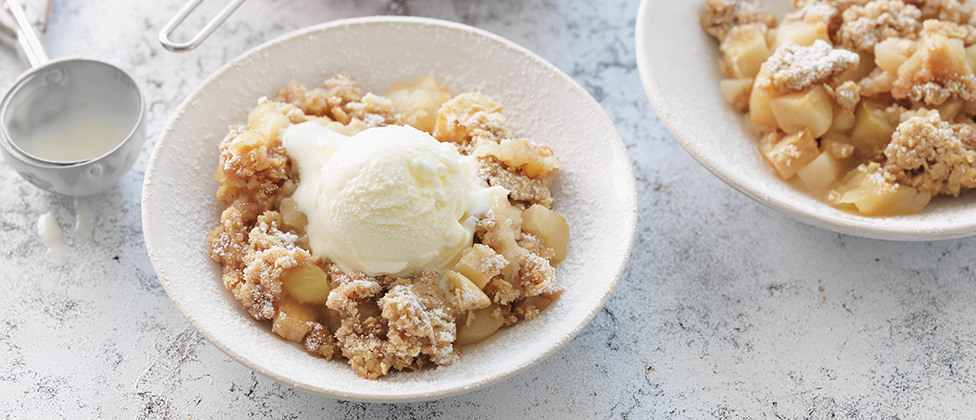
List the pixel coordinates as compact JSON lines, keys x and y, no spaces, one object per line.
{"x":678,"y":64}
{"x":595,"y":190}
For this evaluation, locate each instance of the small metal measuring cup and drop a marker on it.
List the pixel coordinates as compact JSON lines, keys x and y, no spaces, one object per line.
{"x":52,"y":89}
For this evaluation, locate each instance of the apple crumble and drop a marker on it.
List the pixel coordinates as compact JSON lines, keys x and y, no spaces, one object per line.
{"x":383,"y":322}
{"x":866,"y":104}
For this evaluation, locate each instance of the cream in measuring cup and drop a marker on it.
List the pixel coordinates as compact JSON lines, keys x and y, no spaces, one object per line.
{"x":71,"y":126}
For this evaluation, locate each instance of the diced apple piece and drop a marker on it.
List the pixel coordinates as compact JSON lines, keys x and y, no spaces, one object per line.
{"x":479,"y":264}
{"x":971,"y":56}
{"x":811,"y":109}
{"x":949,"y":109}
{"x":291,"y":215}
{"x":467,"y":295}
{"x":768,"y":140}
{"x":293,"y":320}
{"x":892,"y":52}
{"x":541,"y":302}
{"x":549,"y":226}
{"x":865,"y":65}
{"x":957,"y":52}
{"x":736,"y":92}
{"x":879,"y":82}
{"x":843,"y":120}
{"x":910,"y":66}
{"x":871,"y":194}
{"x":482,"y":326}
{"x":419,"y":101}
{"x":532,"y":160}
{"x":868,"y":201}
{"x":267,"y":120}
{"x":940,"y":56}
{"x":790,"y":153}
{"x":759,"y":109}
{"x":308,"y":284}
{"x":800,"y":32}
{"x":744,"y":50}
{"x":873,"y":129}
{"x":762,"y":92}
{"x":751,"y":129}
{"x":909,"y":201}
{"x":453,"y":116}
{"x":820,"y":173}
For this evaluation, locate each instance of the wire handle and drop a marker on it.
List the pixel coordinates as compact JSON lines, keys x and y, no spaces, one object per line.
{"x":197,"y":39}
{"x":30,"y":43}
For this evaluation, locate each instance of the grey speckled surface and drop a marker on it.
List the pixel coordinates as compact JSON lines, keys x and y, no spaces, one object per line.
{"x":727,"y":309}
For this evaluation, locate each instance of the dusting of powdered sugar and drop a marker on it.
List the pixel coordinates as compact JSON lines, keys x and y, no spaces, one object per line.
{"x":793,"y":68}
{"x":813,"y":11}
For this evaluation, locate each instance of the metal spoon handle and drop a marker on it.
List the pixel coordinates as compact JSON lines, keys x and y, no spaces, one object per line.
{"x":30,"y":42}
{"x":170,"y":26}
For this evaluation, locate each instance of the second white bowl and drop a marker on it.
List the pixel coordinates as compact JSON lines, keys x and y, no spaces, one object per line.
{"x":678,"y":64}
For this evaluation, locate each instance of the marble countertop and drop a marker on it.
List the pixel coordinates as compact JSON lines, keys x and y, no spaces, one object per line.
{"x":727,"y":310}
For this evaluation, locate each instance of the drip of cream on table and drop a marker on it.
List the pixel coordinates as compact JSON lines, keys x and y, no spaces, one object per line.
{"x":83,"y":223}
{"x":387,"y":201}
{"x":47,"y":227}
{"x":79,"y":133}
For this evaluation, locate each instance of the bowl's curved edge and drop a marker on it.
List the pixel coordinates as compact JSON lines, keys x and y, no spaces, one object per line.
{"x":864,"y":229}
{"x":150,"y":179}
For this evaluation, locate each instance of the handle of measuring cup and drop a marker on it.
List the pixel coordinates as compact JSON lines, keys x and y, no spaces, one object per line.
{"x":30,"y":42}
{"x":167,"y":30}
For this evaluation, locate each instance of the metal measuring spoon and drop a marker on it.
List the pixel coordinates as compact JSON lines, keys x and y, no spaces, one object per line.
{"x":71,"y":126}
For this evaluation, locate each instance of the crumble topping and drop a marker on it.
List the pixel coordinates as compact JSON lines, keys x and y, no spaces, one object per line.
{"x":470,"y":118}
{"x":847,"y":95}
{"x":735,"y":37}
{"x":253,"y":173}
{"x":933,"y":155}
{"x":530,"y":159}
{"x":864,"y":26}
{"x":814,"y":12}
{"x":793,"y":68}
{"x":722,"y":15}
{"x":840,"y":5}
{"x":420,"y":319}
{"x":944,"y":10}
{"x":253,"y":259}
{"x":347,"y":296}
{"x":522,"y":188}
{"x":538,"y":276}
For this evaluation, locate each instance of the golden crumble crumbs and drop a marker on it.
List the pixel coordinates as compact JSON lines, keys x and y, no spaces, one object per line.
{"x":847,"y":95}
{"x":864,"y":26}
{"x":931,"y":154}
{"x":813,"y":13}
{"x":793,"y":67}
{"x":722,"y":15}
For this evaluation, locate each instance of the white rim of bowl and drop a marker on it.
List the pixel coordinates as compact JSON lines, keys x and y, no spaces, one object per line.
{"x":863,"y":228}
{"x":630,"y":202}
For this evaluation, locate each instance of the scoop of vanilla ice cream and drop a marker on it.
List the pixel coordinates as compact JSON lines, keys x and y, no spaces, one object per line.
{"x":390,"y":200}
